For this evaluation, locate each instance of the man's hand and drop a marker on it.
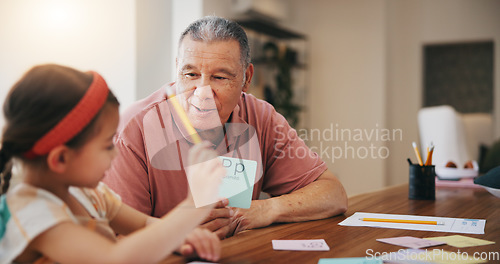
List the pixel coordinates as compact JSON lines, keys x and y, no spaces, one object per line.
{"x":219,"y":219}
{"x":202,"y":243}
{"x":325,"y":197}
{"x":260,"y":214}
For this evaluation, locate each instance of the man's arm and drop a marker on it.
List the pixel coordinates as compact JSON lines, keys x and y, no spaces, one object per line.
{"x":322,"y":198}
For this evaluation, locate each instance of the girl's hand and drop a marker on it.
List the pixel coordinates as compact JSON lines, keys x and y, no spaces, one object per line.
{"x":203,"y":243}
{"x":204,"y":173}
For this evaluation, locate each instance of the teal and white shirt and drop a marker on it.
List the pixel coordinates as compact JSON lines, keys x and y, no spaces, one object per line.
{"x":27,"y":211}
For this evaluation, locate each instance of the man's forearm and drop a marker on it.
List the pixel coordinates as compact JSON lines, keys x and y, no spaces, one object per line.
{"x":322,"y":198}
{"x":325,"y":197}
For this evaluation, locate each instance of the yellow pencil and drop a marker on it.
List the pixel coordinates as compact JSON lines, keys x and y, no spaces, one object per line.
{"x":402,"y":221}
{"x":430,"y":155}
{"x":428,"y":161}
{"x":182,"y":114}
{"x":418,"y":154}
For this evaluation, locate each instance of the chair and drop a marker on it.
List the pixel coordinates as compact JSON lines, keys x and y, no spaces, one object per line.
{"x":456,"y":137}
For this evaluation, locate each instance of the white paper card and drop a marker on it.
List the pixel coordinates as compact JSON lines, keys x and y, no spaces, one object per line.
{"x":301,"y":245}
{"x":454,"y":225}
{"x":411,"y":242}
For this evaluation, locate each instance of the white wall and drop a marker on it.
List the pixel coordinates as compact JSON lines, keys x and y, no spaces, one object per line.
{"x":366,"y":69}
{"x":347,"y":87}
{"x":154,"y":45}
{"x":85,"y":34}
{"x":222,"y":8}
{"x":404,"y":82}
{"x":452,"y":21}
{"x":412,"y":24}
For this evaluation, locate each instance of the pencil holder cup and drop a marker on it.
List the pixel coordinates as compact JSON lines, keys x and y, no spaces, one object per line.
{"x":422,"y":184}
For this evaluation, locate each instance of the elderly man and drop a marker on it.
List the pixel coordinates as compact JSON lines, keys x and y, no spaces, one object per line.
{"x":213,"y":74}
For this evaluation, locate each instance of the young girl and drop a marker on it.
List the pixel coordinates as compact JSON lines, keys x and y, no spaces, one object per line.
{"x":59,"y":127}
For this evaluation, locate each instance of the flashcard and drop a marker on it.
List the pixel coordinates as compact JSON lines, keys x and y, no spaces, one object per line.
{"x":410,"y":242}
{"x":238,"y":184}
{"x":301,"y":245}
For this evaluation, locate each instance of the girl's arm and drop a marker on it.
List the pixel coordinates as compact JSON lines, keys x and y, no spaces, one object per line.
{"x":72,"y":243}
{"x":199,"y":242}
{"x":129,"y":220}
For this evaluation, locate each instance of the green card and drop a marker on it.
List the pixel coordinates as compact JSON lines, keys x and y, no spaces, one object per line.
{"x":238,"y":184}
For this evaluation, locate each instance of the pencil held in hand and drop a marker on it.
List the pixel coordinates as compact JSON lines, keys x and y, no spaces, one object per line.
{"x":182,"y":114}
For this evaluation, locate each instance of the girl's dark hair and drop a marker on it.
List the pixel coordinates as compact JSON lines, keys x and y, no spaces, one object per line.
{"x":35,"y":104}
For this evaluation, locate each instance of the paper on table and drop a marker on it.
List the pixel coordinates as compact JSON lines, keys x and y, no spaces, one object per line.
{"x":301,"y":245}
{"x":349,"y":261}
{"x":411,"y":242}
{"x":454,"y":225}
{"x":462,"y":183}
{"x":461,"y":241}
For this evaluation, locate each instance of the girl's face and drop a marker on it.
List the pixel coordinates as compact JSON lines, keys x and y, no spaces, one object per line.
{"x":90,"y":161}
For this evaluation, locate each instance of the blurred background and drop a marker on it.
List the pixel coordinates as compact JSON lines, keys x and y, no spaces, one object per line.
{"x":350,"y":76}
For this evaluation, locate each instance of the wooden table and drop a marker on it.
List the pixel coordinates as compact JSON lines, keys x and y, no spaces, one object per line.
{"x":254,"y":246}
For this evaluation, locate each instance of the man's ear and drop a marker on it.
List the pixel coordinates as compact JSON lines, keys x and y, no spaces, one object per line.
{"x":248,"y":77}
{"x":58,"y":159}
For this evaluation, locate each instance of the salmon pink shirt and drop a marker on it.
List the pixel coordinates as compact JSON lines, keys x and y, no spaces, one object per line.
{"x":149,"y":171}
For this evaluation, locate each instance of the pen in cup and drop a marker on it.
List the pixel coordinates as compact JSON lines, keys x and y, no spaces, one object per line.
{"x":417,"y":153}
{"x":421,"y":184}
{"x":428,"y":161}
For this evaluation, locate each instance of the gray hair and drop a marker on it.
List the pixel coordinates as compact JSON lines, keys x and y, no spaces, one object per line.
{"x":213,"y":28}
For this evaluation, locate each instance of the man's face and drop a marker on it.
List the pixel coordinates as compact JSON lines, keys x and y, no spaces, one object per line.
{"x":210,"y":79}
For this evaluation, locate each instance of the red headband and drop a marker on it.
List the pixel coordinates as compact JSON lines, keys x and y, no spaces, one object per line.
{"x":78,"y":118}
